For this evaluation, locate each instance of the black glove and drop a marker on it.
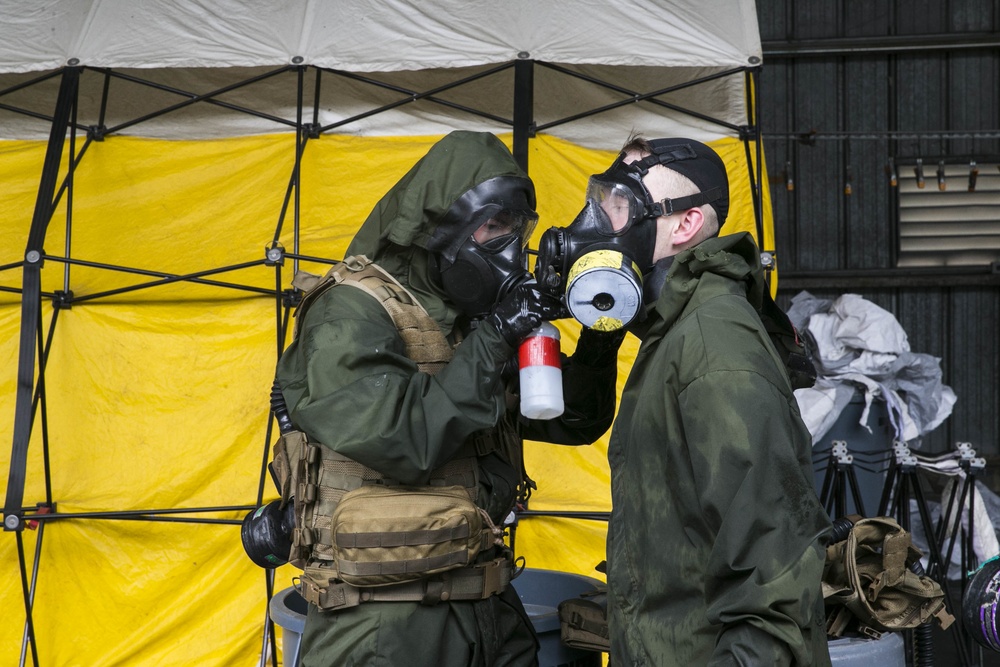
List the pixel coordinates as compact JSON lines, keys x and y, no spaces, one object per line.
{"x":522,"y":311}
{"x":598,"y":349}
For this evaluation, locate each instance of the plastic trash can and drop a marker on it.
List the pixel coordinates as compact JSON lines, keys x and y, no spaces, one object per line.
{"x":887,"y":651}
{"x":870,"y":450}
{"x":541,"y":591}
{"x":288,"y":610}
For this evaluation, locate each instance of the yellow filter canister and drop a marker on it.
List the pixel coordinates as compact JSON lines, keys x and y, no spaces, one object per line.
{"x":604,"y":290}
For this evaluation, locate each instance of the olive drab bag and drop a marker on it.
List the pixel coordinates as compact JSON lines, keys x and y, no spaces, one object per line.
{"x":583,"y":620}
{"x":868,"y":581}
{"x":583,"y":623}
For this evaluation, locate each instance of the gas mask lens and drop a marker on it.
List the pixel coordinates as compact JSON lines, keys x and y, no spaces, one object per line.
{"x":618,"y":203}
{"x":499,"y":229}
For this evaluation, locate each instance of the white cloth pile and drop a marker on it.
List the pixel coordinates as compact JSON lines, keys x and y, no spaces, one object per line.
{"x":858,"y":346}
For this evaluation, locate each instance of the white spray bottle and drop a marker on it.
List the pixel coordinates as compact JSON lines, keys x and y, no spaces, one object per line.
{"x":541,"y":374}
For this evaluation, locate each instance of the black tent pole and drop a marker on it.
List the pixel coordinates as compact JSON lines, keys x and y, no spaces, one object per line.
{"x":524,"y":85}
{"x":30,"y":328}
{"x":751,"y":133}
{"x":31,"y":299}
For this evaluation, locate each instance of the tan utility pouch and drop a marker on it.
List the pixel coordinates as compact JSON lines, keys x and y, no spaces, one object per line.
{"x":391,"y":534}
{"x":868,"y":576}
{"x":583,"y":624}
{"x":286,"y":464}
{"x":287,"y":452}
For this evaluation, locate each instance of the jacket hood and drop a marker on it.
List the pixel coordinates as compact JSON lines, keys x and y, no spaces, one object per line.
{"x":397,"y":231}
{"x":734,"y":256}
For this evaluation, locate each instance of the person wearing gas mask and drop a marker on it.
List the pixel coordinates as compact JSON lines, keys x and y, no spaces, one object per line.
{"x":714,"y":551}
{"x":404,"y":394}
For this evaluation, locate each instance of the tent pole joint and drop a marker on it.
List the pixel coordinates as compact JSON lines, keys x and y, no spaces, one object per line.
{"x":749,"y":133}
{"x":274,"y":255}
{"x":97,"y":132}
{"x":12,"y":522}
{"x":40,"y":508}
{"x":768,"y":262}
{"x":290,"y":298}
{"x":312,"y":130}
{"x":62,"y":299}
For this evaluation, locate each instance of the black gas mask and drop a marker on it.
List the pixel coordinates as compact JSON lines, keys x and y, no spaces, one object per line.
{"x":480,"y":244}
{"x":602,"y":258}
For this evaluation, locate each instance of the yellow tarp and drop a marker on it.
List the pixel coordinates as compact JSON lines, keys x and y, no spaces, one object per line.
{"x":157,"y":398}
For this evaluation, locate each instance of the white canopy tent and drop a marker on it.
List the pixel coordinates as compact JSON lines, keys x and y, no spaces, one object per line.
{"x":636,"y":48}
{"x":164,"y":160}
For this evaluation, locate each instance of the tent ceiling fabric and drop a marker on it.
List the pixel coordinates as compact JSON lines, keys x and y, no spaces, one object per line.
{"x":365,"y":36}
{"x":341,"y":99}
{"x":200,"y":48}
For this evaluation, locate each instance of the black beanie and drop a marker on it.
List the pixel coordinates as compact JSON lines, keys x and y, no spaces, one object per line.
{"x":705,"y":168}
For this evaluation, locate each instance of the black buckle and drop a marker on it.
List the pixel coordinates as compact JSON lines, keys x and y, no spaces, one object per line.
{"x":669,"y":206}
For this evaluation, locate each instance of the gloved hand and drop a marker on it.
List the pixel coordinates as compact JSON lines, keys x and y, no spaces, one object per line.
{"x":523,"y":310}
{"x":597,"y":349}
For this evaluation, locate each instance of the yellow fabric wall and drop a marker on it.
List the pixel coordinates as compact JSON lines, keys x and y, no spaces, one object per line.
{"x":158,"y":398}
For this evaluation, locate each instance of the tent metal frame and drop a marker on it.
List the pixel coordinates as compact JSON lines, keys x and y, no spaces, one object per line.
{"x":35,"y":344}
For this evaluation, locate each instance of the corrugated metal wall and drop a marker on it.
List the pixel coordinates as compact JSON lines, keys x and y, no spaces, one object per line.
{"x":846,"y":85}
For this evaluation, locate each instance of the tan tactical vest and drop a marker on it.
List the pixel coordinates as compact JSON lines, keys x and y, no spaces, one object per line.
{"x":361,"y":536}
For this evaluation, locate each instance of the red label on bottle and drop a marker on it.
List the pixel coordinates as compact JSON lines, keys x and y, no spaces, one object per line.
{"x":539,"y":351}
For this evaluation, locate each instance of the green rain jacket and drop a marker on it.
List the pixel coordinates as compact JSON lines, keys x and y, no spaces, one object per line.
{"x":714,"y":543}
{"x":349,"y":385}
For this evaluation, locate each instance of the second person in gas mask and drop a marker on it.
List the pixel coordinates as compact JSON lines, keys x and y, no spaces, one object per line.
{"x":714,"y":552}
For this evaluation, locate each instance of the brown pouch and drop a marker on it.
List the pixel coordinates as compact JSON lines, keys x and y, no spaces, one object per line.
{"x":869,"y":575}
{"x":583,"y":623}
{"x":392,"y":534}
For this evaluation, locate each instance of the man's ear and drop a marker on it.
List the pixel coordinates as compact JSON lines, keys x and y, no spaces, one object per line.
{"x":690,"y":224}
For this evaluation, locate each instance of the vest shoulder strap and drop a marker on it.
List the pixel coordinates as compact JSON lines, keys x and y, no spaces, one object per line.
{"x":425,"y":344}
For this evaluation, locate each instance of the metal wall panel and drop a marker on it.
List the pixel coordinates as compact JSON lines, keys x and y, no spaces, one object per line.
{"x":846,"y":86}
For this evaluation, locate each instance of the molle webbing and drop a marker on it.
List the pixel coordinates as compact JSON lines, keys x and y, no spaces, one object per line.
{"x":425,"y":344}
{"x":324,"y":476}
{"x":476,"y":582}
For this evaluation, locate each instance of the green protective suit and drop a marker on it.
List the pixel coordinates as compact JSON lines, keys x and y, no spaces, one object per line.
{"x":350,"y":386}
{"x":715,"y":542}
